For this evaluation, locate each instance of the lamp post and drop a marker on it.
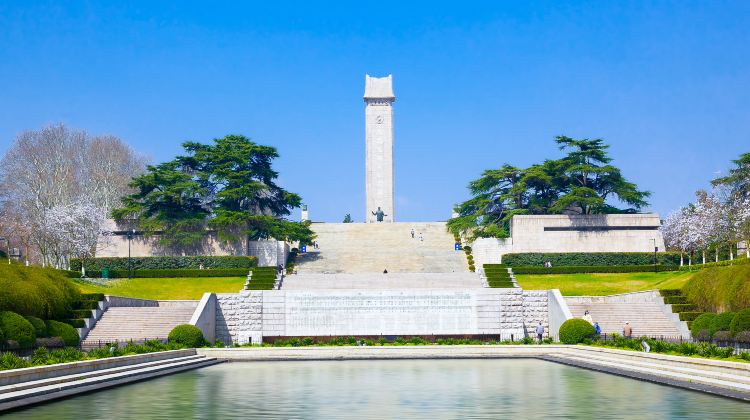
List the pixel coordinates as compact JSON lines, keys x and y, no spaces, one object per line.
{"x":130,"y":239}
{"x":656,"y":248}
{"x":7,"y":247}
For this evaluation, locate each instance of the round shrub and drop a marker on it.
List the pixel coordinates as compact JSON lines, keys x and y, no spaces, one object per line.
{"x":17,"y":328}
{"x":703,"y":322}
{"x":721,"y":322}
{"x":66,"y":332}
{"x":740,"y":322}
{"x":574,"y":331}
{"x":742,"y":336}
{"x":39,"y":326}
{"x":722,"y":335}
{"x":187,"y":335}
{"x":702,"y":335}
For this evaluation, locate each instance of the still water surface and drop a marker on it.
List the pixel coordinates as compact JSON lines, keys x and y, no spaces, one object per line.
{"x":490,"y":389}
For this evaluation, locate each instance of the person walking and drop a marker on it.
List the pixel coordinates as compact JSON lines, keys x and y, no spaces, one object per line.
{"x":587,"y":317}
{"x":421,"y":238}
{"x":627,"y":330}
{"x":540,"y":331}
{"x":412,"y":233}
{"x":597,"y":329}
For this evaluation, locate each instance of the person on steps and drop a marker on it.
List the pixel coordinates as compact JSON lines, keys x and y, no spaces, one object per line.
{"x":627,"y":330}
{"x":587,"y":317}
{"x":597,"y":329}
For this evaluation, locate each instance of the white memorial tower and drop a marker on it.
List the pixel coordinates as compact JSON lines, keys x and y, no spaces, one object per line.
{"x":379,"y":148}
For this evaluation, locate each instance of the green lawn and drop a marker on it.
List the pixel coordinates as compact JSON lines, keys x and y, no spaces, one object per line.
{"x":603,"y":284}
{"x":167,"y":288}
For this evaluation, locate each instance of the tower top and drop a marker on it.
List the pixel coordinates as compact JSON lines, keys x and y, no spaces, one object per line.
{"x":379,"y":87}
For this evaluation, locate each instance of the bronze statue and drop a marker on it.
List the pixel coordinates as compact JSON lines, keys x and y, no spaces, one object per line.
{"x":379,"y":215}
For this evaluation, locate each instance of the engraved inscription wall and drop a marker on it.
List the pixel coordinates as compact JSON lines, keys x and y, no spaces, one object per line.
{"x":376,"y":312}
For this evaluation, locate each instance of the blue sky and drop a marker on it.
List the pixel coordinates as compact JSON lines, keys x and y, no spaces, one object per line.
{"x":666,"y":84}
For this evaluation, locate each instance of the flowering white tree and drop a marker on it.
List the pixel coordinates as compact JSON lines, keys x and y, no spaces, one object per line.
{"x":73,"y":230}
{"x":680,"y":232}
{"x":58,"y":167}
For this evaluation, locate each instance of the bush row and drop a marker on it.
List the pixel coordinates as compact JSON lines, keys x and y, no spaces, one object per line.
{"x":164,"y":263}
{"x":592,"y":269}
{"x":42,"y":356}
{"x":15,"y":330}
{"x":221,"y":272}
{"x":590,"y":258}
{"x":723,"y":263}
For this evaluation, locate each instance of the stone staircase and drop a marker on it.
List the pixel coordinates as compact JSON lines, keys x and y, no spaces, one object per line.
{"x":645,"y":311}
{"x":466,"y":280}
{"x":139,"y":323}
{"x":21,"y":387}
{"x":374,"y":247}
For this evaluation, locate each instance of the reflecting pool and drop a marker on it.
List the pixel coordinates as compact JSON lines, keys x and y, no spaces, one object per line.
{"x":522,"y":388}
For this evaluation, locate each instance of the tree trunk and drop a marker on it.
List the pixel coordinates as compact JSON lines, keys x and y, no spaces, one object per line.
{"x":717,"y":253}
{"x":682,"y":259}
{"x":704,"y":257}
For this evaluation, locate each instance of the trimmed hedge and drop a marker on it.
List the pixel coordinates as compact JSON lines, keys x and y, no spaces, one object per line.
{"x":17,"y":328}
{"x":670,"y":292}
{"x":675,"y":300}
{"x":592,"y":269}
{"x":684,"y":307}
{"x":75,"y":323}
{"x":165,"y":263}
{"x":81,"y":313}
{"x":222,"y":272}
{"x":188,"y":335}
{"x":724,"y":263}
{"x":87,"y":304}
{"x":92,"y":296}
{"x":575,"y":330}
{"x":41,"y":292}
{"x":690,"y":316}
{"x":740,"y":322}
{"x":64,"y":331}
{"x":590,"y":258}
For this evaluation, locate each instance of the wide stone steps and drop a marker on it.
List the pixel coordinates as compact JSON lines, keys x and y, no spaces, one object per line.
{"x":136,"y":323}
{"x":31,"y":392}
{"x":645,"y":318}
{"x":374,"y":247}
{"x":383,"y":281}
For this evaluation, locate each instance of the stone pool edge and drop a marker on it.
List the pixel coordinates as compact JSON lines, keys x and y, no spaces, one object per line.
{"x":716,"y":377}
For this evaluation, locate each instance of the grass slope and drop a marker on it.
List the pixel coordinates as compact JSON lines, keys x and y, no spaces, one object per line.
{"x":603,"y":284}
{"x":167,"y":288}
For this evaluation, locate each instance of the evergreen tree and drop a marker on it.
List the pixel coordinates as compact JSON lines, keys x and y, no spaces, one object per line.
{"x":228,"y":186}
{"x":582,"y":182}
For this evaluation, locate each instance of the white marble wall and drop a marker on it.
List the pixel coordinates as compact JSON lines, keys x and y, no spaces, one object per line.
{"x":535,"y":309}
{"x":528,"y":234}
{"x":250,"y":315}
{"x":239,"y":317}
